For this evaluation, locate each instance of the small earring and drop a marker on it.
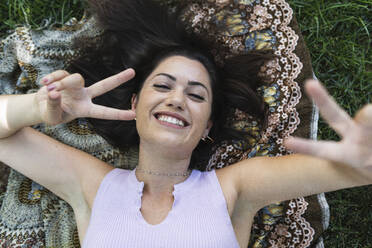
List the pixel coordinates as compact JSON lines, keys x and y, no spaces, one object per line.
{"x":208,"y":138}
{"x":135,"y":118}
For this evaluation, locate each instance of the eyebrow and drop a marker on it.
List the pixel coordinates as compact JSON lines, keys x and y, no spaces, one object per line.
{"x":193,"y":83}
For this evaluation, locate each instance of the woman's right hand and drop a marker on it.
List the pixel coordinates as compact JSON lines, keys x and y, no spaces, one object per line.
{"x":64,"y":98}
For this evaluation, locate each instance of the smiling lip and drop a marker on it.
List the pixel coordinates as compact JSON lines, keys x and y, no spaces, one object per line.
{"x":174,"y":115}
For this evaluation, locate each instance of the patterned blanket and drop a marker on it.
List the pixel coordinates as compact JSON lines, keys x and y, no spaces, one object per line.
{"x":31,"y":216}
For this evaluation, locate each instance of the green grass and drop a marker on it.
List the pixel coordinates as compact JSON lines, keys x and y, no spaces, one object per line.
{"x":339,"y":37}
{"x":37,"y":13}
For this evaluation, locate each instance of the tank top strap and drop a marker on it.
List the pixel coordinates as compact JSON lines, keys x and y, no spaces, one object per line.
{"x":217,"y":189}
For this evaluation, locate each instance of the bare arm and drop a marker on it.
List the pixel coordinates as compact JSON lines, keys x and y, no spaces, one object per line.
{"x":328,"y":165}
{"x":64,"y":170}
{"x":266,"y":180}
{"x":16,"y":112}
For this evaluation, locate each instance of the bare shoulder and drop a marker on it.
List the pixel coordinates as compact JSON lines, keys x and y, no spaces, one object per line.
{"x":235,"y":180}
{"x":90,"y":178}
{"x":229,"y":178}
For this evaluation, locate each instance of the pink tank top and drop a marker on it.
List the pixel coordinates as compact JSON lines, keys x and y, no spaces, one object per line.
{"x":198,"y":218}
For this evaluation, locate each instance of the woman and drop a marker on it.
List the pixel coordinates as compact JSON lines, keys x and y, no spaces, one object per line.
{"x":173,"y":110}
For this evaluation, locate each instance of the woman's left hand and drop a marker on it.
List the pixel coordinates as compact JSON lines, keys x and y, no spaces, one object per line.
{"x":355,"y":148}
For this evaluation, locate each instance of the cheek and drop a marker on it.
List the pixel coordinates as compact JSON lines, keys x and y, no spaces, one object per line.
{"x":145,"y":100}
{"x":202,"y":115}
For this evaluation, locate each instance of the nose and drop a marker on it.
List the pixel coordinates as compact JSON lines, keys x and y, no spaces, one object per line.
{"x":176,"y":100}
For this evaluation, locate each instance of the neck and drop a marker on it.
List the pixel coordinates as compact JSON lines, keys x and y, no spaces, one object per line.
{"x":150,"y":159}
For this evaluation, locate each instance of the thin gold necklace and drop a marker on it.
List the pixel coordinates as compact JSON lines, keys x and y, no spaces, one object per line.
{"x":166,"y":174}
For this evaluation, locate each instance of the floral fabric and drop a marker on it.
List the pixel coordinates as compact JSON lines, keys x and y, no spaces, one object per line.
{"x":31,"y":216}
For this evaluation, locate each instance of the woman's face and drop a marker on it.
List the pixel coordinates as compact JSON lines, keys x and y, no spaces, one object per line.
{"x":174,"y":105}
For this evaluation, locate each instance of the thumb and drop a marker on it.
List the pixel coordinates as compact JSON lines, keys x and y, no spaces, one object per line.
{"x":54,"y":110}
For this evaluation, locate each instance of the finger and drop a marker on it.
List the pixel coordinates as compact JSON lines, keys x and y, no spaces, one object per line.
{"x":107,"y":113}
{"x":336,"y":117}
{"x":54,"y":76}
{"x":320,"y":149}
{"x":73,"y":81}
{"x":364,"y":116}
{"x":54,"y":96}
{"x":54,"y":107}
{"x":110,"y":83}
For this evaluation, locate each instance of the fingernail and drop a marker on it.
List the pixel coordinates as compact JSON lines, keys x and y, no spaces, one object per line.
{"x":45,"y":80}
{"x":51,"y":87}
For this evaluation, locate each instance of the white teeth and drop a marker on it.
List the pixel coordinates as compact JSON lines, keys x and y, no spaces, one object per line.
{"x":171,"y":120}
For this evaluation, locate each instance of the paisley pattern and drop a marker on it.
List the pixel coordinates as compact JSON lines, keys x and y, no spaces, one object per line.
{"x":31,"y":216}
{"x":260,"y":40}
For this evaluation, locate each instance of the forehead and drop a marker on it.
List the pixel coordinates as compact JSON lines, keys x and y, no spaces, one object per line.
{"x":183,"y":69}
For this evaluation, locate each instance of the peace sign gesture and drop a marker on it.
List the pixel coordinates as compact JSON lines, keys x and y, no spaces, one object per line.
{"x":355,"y":148}
{"x":64,"y":98}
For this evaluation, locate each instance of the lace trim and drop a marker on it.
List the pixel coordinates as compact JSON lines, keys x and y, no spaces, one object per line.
{"x":284,"y":118}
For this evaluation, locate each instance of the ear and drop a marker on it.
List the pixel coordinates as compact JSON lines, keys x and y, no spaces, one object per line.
{"x":209,"y":126}
{"x":134,"y":102}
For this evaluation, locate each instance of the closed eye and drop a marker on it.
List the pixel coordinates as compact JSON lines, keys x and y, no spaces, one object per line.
{"x":197,"y":97}
{"x":161,"y":86}
{"x":166,"y":87}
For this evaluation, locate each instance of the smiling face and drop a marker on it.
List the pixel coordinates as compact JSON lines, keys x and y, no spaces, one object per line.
{"x":174,"y":105}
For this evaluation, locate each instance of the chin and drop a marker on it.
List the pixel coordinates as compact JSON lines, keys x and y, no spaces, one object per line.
{"x":171,"y":143}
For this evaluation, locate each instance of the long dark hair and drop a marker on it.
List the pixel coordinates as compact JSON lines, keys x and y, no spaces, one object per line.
{"x":139,"y":34}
